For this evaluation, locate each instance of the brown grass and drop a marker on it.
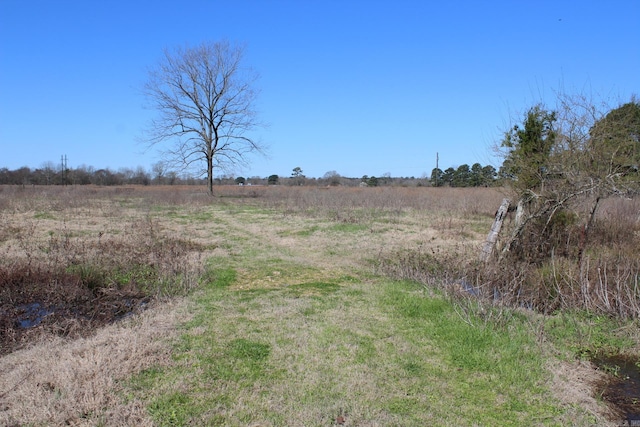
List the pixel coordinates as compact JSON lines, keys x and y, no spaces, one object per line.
{"x":84,"y":235}
{"x":72,"y":260}
{"x":76,"y":382}
{"x":64,"y":248}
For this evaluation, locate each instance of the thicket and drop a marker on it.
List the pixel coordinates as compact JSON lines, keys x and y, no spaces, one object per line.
{"x":563,"y":251}
{"x":573,"y":241}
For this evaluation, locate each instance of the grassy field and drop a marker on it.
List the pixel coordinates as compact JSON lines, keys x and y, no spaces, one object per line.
{"x":268,"y":308}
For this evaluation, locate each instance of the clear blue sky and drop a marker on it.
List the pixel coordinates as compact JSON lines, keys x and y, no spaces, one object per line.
{"x":356,"y":87}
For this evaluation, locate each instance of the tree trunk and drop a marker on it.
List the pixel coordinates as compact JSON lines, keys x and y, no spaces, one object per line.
{"x":520,"y":213}
{"x":587,"y":228}
{"x":210,"y":175}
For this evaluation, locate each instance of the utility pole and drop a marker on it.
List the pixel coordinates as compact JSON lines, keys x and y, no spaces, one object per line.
{"x":437,"y":168}
{"x":63,"y":160}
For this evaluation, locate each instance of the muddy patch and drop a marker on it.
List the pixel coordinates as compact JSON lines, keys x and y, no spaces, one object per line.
{"x":620,"y":388}
{"x":35,"y":303}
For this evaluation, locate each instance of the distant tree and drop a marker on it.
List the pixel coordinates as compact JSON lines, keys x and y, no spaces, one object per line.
{"x":22,"y":176}
{"x":273,"y":179}
{"x":437,"y":177}
{"x":506,"y":171}
{"x":332,"y":178}
{"x":141,"y":176}
{"x":105,"y":177}
{"x":4,"y":176}
{"x":240,"y":180}
{"x":488,"y":175}
{"x":447,"y":176}
{"x":158,"y":170}
{"x":297,"y":175}
{"x":83,"y":175}
{"x":126,"y":174}
{"x":372,"y":181}
{"x":49,"y":172}
{"x":205,"y":99}
{"x":476,"y":176}
{"x":172,"y":177}
{"x":386,"y":178}
{"x":461,"y":176}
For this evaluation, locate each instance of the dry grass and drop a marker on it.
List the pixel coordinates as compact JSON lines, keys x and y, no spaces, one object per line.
{"x":574,"y":383}
{"x":83,"y":258}
{"x":77,"y":382}
{"x":305,"y":288}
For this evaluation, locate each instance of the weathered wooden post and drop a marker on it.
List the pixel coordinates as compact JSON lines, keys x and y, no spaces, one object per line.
{"x":487,"y":249}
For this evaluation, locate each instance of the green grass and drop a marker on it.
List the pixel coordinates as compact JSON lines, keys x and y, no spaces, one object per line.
{"x":488,"y":365}
{"x":313,"y":288}
{"x":349,"y":228}
{"x":380,"y":352}
{"x":44,"y":215}
{"x":587,"y":336}
{"x":216,"y":277}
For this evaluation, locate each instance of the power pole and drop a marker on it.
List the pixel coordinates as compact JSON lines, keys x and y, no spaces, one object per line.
{"x":63,"y":160}
{"x":437,"y":168}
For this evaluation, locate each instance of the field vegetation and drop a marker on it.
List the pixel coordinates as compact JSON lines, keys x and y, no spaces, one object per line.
{"x":278,"y":306}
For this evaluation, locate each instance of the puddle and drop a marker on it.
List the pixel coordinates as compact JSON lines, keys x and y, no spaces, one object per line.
{"x":621,"y":389}
{"x":31,"y":315}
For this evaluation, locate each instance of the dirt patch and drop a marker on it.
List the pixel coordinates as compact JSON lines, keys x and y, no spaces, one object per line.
{"x":608,"y":388}
{"x":574,"y":385}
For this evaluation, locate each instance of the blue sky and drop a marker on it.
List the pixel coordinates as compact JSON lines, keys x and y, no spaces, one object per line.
{"x":357,"y":87}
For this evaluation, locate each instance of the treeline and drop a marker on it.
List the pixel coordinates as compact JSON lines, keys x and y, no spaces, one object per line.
{"x":86,"y":175}
{"x":465,"y":176}
{"x":50,"y":174}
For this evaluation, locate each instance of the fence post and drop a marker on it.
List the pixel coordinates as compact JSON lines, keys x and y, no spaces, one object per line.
{"x":487,"y":249}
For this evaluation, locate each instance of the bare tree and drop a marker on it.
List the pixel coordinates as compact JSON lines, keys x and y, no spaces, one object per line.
{"x":205,"y":99}
{"x":159,"y":171}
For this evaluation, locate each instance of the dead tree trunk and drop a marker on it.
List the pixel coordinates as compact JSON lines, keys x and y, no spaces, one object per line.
{"x":490,"y":244}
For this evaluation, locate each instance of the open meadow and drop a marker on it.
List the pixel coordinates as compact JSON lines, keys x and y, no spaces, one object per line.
{"x":282,"y":306}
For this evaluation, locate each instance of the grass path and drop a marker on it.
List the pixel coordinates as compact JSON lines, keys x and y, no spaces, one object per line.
{"x":293,"y":329}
